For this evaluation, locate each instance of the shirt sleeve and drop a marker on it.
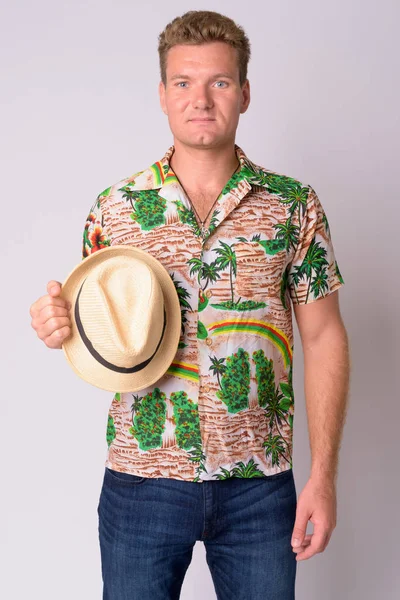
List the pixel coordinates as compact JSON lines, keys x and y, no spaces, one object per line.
{"x":313,"y":271}
{"x":95,"y":236}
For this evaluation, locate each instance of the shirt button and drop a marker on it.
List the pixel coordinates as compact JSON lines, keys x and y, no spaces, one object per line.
{"x":208,"y":341}
{"x":206,"y":388}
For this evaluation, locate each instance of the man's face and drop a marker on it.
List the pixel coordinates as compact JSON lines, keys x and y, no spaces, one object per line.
{"x":202,"y":97}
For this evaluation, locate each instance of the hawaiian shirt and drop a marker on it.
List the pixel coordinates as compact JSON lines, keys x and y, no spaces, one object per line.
{"x":225,"y":406}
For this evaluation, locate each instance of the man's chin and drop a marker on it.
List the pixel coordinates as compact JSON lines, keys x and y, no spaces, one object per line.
{"x":202,"y":141}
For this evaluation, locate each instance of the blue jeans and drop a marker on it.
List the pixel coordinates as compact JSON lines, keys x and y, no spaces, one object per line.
{"x":148,"y":527}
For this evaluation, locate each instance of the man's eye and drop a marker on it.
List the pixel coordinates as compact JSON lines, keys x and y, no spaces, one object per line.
{"x":224,"y":82}
{"x":180,"y":82}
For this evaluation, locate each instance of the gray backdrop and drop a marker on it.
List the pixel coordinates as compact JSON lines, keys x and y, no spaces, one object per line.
{"x":79,"y":112}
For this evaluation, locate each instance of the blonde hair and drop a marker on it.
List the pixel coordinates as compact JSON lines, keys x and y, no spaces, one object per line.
{"x":200,"y":27}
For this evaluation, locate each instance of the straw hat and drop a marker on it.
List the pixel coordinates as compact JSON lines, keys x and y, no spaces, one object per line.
{"x":125,"y":319}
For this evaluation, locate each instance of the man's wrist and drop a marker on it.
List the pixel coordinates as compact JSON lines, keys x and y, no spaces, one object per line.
{"x":323,"y":475}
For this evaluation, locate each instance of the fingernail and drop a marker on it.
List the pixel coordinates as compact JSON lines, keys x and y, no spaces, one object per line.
{"x":295,"y":542}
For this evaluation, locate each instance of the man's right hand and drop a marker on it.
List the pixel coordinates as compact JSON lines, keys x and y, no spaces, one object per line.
{"x":51,"y":317}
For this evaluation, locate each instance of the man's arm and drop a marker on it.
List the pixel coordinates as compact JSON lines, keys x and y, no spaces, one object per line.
{"x":326,"y":381}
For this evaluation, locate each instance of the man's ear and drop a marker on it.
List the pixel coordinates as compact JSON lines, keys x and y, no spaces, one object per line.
{"x":245,"y":96}
{"x":161,"y":93}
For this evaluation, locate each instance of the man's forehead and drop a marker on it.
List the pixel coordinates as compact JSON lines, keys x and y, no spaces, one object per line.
{"x":202,"y":52}
{"x":189,"y":60}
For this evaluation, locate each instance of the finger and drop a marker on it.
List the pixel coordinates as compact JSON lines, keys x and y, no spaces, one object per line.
{"x":57,"y":338}
{"x":50,"y":319}
{"x":300,"y":526}
{"x":52,"y":311}
{"x":52,"y":325}
{"x":318,"y":543}
{"x":54,"y":288}
{"x":304,"y":545}
{"x":47,"y":300}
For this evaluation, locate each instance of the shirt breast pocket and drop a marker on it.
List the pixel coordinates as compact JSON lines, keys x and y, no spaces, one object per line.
{"x":259,"y":269}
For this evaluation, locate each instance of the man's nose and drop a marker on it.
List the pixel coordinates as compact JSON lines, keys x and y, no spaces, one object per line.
{"x":202,"y":98}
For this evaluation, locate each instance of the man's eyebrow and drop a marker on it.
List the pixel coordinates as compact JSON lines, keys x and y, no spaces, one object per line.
{"x":183,"y":76}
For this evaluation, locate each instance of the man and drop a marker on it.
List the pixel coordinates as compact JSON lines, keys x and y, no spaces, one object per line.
{"x":243,"y":245}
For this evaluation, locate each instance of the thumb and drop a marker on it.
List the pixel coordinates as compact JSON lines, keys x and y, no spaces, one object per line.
{"x":300,"y":527}
{"x":54,"y":288}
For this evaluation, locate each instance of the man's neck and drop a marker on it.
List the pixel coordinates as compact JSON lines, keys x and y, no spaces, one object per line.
{"x":203,"y":168}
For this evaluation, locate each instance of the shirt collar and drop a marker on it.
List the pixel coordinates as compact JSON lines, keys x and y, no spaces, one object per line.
{"x":160,"y":176}
{"x":160,"y":173}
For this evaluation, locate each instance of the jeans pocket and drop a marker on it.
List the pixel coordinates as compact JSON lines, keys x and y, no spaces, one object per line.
{"x":124,"y":478}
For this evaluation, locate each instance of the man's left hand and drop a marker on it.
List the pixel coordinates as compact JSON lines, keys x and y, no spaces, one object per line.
{"x":317,"y":503}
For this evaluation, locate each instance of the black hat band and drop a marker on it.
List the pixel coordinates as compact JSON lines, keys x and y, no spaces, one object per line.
{"x":98,"y":356}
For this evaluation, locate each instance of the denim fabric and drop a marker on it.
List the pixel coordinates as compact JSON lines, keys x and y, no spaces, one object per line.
{"x":148,"y":527}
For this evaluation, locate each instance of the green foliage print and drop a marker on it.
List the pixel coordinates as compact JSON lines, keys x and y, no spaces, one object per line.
{"x":148,"y":207}
{"x":235,"y":382}
{"x":338,"y":273}
{"x":187,"y":430}
{"x":242,"y":470}
{"x":211,"y":273}
{"x":314,"y":262}
{"x":149,"y":422}
{"x":273,"y":246}
{"x":284,"y":287}
{"x":270,"y":246}
{"x":203,"y":301}
{"x":186,"y":419}
{"x":275,"y":447}
{"x":232,"y":183}
{"x":289,"y":190}
{"x":202,"y":332}
{"x":278,"y":403}
{"x":183,"y":296}
{"x":110,"y":435}
{"x":197,"y":455}
{"x":187,"y":216}
{"x":265,"y":377}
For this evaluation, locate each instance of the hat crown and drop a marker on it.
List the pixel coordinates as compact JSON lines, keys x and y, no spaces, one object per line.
{"x":121,"y":308}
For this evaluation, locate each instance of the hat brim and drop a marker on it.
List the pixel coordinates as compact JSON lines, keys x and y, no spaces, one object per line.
{"x":79,"y":357}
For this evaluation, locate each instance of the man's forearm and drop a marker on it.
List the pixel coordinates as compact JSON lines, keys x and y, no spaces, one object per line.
{"x":326,"y":383}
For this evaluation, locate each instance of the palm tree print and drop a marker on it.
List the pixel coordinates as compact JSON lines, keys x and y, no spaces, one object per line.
{"x":319,"y":284}
{"x":284,"y":286}
{"x":183,"y":295}
{"x":242,"y":470}
{"x":277,"y":401}
{"x":289,"y":190}
{"x":314,"y":260}
{"x":204,"y":271}
{"x":274,"y":448}
{"x":213,"y":222}
{"x":186,"y":215}
{"x":135,"y":406}
{"x":288,"y":232}
{"x":269,"y":239}
{"x":338,"y":273}
{"x":226,"y":258}
{"x":217,"y":367}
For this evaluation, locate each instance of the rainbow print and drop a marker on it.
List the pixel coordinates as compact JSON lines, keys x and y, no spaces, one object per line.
{"x":275,"y":335}
{"x":184,"y":370}
{"x":158,"y":175}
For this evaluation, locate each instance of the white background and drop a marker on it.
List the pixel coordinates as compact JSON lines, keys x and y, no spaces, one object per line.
{"x":79,"y":112}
